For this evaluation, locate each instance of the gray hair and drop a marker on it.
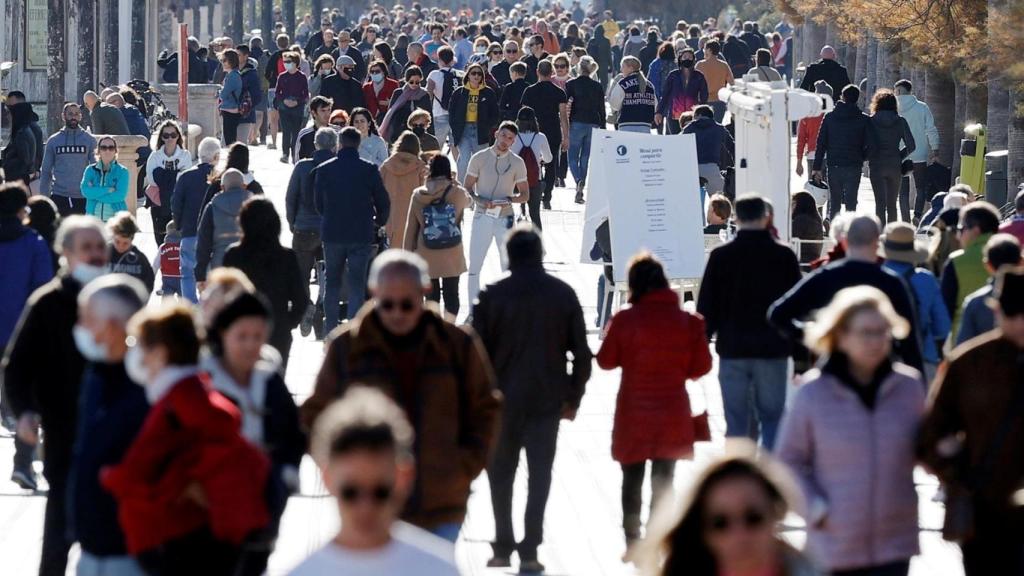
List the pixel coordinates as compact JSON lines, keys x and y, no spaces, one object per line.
{"x":837,"y":228}
{"x":209,"y":150}
{"x":863,"y":231}
{"x":71,"y":226}
{"x":326,"y":139}
{"x":399,"y":263}
{"x":232,"y":179}
{"x":114,"y":297}
{"x":587,"y":66}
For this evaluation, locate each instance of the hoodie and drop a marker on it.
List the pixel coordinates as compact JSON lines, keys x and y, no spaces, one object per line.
{"x":922,"y":126}
{"x":20,"y":153}
{"x":25,"y":265}
{"x":711,"y":138}
{"x":67,"y":154}
{"x":218,"y":229}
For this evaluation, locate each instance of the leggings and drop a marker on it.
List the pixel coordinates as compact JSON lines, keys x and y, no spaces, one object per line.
{"x":662,"y":474}
{"x":449,"y":287}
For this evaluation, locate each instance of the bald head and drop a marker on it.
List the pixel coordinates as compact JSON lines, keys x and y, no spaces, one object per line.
{"x":232,"y":179}
{"x":828,"y":52}
{"x":862,"y":234}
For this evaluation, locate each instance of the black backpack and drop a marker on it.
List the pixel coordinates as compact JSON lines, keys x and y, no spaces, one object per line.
{"x":452,"y":81}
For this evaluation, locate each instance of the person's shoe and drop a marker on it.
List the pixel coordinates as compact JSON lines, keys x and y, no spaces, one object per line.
{"x":318,"y":322}
{"x":560,"y":183}
{"x":531,"y":567}
{"x":546,"y":204}
{"x":579,"y":197}
{"x":284,"y":159}
{"x":25,"y":479}
{"x":306,"y":326}
{"x":499,"y":562}
{"x":271,"y":146}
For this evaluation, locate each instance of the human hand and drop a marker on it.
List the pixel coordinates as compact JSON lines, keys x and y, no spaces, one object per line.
{"x":565,"y":145}
{"x":194,"y":493}
{"x":816,"y":175}
{"x":568,"y":412}
{"x":28,"y":428}
{"x":933,"y":156}
{"x":799,"y":168}
{"x":201,"y":287}
{"x":658,"y":119}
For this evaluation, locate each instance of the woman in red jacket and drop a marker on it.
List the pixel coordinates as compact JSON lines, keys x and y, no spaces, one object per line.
{"x":190,"y":489}
{"x":378,"y":89}
{"x":659,"y":347}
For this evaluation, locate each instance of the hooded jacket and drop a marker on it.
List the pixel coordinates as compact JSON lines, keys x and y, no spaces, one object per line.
{"x":67,"y":154}
{"x":402,"y":173}
{"x":187,"y":198}
{"x":889,"y":131}
{"x":25,"y":265}
{"x":922,"y":125}
{"x":19,"y":155}
{"x":300,"y":207}
{"x":444,"y":262}
{"x":251,"y":83}
{"x":218,"y":229}
{"x":712,"y":139}
{"x":845,"y":137}
{"x":601,"y":50}
{"x":105,"y":191}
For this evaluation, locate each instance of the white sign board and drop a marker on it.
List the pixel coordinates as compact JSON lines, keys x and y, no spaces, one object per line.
{"x":649,"y":188}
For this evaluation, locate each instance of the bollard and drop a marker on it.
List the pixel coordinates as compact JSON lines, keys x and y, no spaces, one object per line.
{"x":972,"y":158}
{"x":995,"y":177}
{"x":127,"y":156}
{"x":202,"y":105}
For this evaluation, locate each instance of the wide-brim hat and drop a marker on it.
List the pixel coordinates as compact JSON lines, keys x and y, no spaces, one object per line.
{"x":900,"y":244}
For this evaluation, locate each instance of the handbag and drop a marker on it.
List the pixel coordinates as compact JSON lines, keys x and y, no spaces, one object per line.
{"x":701,"y":424}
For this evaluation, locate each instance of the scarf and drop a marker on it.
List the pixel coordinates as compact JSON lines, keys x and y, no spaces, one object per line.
{"x":406,"y":96}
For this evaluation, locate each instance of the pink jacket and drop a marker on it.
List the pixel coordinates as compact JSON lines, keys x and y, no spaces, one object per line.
{"x":859,"y":465}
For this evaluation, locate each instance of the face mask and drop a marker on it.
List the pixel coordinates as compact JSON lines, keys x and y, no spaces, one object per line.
{"x":289,"y":66}
{"x":87,"y":345}
{"x":419,"y":130}
{"x":480,"y":49}
{"x":86,"y":273}
{"x":134,"y":366}
{"x":377,"y":77}
{"x":686,"y":63}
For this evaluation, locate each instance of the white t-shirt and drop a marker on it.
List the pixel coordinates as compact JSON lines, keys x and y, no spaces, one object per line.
{"x":411,"y":551}
{"x":437,"y":77}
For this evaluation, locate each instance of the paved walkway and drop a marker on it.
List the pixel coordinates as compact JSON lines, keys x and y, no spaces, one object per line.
{"x":583,"y":515}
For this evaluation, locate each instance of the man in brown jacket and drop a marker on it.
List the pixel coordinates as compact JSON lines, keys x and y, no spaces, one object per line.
{"x":437,"y":372}
{"x":973,"y":437}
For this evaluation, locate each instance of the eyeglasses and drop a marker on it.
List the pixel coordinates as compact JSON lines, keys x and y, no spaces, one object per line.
{"x":561,"y":66}
{"x":169,"y":135}
{"x":475,"y":74}
{"x":749,"y":519}
{"x":107,"y":147}
{"x":378,"y":494}
{"x":496,"y":53}
{"x":512,"y":51}
{"x":405,"y":305}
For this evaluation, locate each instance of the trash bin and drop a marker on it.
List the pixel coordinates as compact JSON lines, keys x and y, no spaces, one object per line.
{"x":995,"y":177}
{"x":972,"y":158}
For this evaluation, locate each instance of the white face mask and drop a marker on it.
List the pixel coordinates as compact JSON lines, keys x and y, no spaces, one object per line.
{"x":86,"y":273}
{"x":480,"y":49}
{"x":134,"y":366}
{"x":289,"y":66}
{"x":87,"y":345}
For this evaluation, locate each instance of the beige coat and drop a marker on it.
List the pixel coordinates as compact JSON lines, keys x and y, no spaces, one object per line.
{"x":447,"y":262}
{"x":402,"y":173}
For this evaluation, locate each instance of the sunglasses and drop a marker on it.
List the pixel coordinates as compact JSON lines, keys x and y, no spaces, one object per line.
{"x":475,"y":74}
{"x":378,"y":494}
{"x":749,"y":519}
{"x":422,"y":126}
{"x":338,"y":124}
{"x":410,"y":83}
{"x":561,"y":66}
{"x":511,"y":51}
{"x":107,"y":147}
{"x":496,"y":53}
{"x":169,"y":135}
{"x":405,"y":305}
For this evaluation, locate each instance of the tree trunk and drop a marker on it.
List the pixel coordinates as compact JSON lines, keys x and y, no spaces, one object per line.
{"x":831,"y":37}
{"x":860,"y":68}
{"x":197,"y":20}
{"x":237,"y":20}
{"x":941,"y":99}
{"x":977,"y":104}
{"x":210,"y":5}
{"x":55,"y":97}
{"x":86,"y":60}
{"x":110,"y":48}
{"x":267,"y":23}
{"x":288,"y":14}
{"x":1015,"y":143}
{"x":251,"y":22}
{"x":139,"y":29}
{"x":850,"y":61}
{"x":959,"y":120}
{"x":892,"y":64}
{"x":872,"y":71}
{"x":998,"y":116}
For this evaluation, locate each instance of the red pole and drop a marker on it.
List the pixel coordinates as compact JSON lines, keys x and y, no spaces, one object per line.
{"x":183,"y":77}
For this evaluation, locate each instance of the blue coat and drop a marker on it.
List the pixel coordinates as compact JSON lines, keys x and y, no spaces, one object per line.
{"x":135,"y":120}
{"x":351,"y":198}
{"x":231,"y":93}
{"x":251,"y":83}
{"x":105,"y":192}
{"x":711,"y":138}
{"x":25,"y":264}
{"x":300,"y":208}
{"x":187,"y":199}
{"x":932,"y":316}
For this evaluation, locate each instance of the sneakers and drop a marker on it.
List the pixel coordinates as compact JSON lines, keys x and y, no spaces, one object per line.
{"x":25,"y":479}
{"x":271,"y":146}
{"x":284,"y":159}
{"x":579,"y":197}
{"x":546,"y":204}
{"x":499,"y":562}
{"x":531,"y":567}
{"x":306,"y":326}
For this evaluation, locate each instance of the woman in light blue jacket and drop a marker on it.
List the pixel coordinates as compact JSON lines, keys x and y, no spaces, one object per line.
{"x":105,"y":183}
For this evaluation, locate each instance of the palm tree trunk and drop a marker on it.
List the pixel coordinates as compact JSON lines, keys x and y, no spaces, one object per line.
{"x":860,"y":68}
{"x":237,"y":20}
{"x":110,"y":48}
{"x":55,"y":97}
{"x":86,"y":45}
{"x":941,"y":100}
{"x":267,"y":23}
{"x":998,"y":113}
{"x":893,"y":64}
{"x":288,"y":14}
{"x":1015,"y":142}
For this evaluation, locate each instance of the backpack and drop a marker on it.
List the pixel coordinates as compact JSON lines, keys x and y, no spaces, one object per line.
{"x":440,"y":224}
{"x":451,"y":82}
{"x":532,"y":165}
{"x":244,"y":100}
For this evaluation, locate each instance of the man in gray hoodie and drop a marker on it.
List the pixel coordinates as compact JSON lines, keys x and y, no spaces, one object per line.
{"x":67,"y":154}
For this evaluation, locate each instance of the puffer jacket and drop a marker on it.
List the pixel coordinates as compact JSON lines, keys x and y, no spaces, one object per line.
{"x":845,"y":137}
{"x":858,"y":465}
{"x":18,"y":159}
{"x":218,"y":229}
{"x":402,"y":174}
{"x":105,"y":191}
{"x":712,"y":140}
{"x":922,"y":126}
{"x":300,"y":206}
{"x":443,"y":262}
{"x":889,"y":131}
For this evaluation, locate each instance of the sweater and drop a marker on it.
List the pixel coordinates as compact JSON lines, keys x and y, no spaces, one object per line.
{"x":586,"y":101}
{"x":922,"y":126}
{"x":67,"y":154}
{"x":133,"y":263}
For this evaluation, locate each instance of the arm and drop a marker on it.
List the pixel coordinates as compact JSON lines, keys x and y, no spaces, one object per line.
{"x":204,"y":244}
{"x":563,"y":116}
{"x":318,"y":197}
{"x":702,"y":90}
{"x":22,"y":361}
{"x":90,"y":186}
{"x":707,"y":304}
{"x":545,"y":148}
{"x":938,"y":316}
{"x":821,"y":147}
{"x":796,"y":448}
{"x":483,"y":406}
{"x":788,"y":312}
{"x":908,"y":139}
{"x":700,"y":350}
{"x":950,"y":288}
{"x":581,"y":354}
{"x":46,"y":171}
{"x":291,"y":198}
{"x":615,"y":96}
{"x":931,"y":132}
{"x":381,"y":200}
{"x":412,"y":231}
{"x":801,"y":140}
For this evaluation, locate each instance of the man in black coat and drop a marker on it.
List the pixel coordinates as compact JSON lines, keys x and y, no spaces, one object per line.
{"x":860,"y":267}
{"x":535,"y":53}
{"x":43,"y":370}
{"x":738,"y":55}
{"x":601,"y":51}
{"x":741,"y":280}
{"x":530,"y":322}
{"x":845,"y":140}
{"x":826,"y":69}
{"x":342,"y":87}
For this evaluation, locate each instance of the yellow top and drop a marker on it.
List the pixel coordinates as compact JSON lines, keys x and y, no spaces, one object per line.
{"x":471,"y":106}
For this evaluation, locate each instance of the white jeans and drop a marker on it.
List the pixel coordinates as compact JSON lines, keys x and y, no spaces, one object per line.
{"x":485,"y":230}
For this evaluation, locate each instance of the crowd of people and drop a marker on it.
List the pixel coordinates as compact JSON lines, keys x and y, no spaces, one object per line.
{"x":172,"y":441}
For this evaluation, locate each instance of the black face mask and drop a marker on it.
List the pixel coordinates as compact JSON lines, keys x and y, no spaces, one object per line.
{"x":419,"y":130}
{"x":686,"y":63}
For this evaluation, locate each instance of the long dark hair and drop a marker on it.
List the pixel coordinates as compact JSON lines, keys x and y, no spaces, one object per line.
{"x":357,"y":111}
{"x":386,"y":54}
{"x":804,"y":205}
{"x":163,"y":126}
{"x":526,"y":120}
{"x":238,"y":158}
{"x":646,"y":275}
{"x":260,"y":223}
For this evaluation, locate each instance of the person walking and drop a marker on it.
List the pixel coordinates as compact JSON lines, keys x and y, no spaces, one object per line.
{"x":807,"y":133}
{"x":170,"y":158}
{"x":859,"y":488}
{"x":105,"y":184}
{"x":350,"y":216}
{"x":372,"y":147}
{"x":977,"y":400}
{"x":845,"y":141}
{"x":659,"y":347}
{"x":684,"y":89}
{"x":342,"y":86}
{"x":922,"y":127}
{"x":67,"y":154}
{"x":472,"y":116}
{"x":1015,"y":225}
{"x":441,"y":84}
{"x":39,"y":390}
{"x":431,"y":368}
{"x":715,"y":149}
{"x":496,"y":179}
{"x":550,"y":104}
{"x":601,"y":50}
{"x":978,"y":317}
{"x":512,"y":93}
{"x":859,"y":267}
{"x":187,"y":206}
{"x":320,"y":112}
{"x":964,"y":272}
{"x":662,"y":66}
{"x":827,"y":69}
{"x":402,"y":173}
{"x":586,"y":112}
{"x":218,"y":226}
{"x":290,"y":96}
{"x":18,"y":157}
{"x":404,"y":102}
{"x":885,"y":159}
{"x":378,"y":89}
{"x":742,"y":279}
{"x":509,"y":316}
{"x":434,"y":231}
{"x":717,"y":74}
{"x":632,"y":99}
{"x":532,"y":146}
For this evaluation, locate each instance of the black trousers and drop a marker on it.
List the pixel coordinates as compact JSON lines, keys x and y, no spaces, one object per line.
{"x":538,"y":435}
{"x":160,"y":215}
{"x":449,"y":287}
{"x":662,"y":474}
{"x":901,"y":568}
{"x":536,"y":192}
{"x":231,"y":121}
{"x":998,"y":545}
{"x":195,"y":553}
{"x":54,"y":560}
{"x":68,"y":206}
{"x":551,"y":170}
{"x":921,"y":185}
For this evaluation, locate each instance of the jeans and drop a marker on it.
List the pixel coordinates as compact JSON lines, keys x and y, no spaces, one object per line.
{"x":762,"y":380}
{"x":441,"y":130}
{"x":89,"y":565}
{"x":357,"y":256}
{"x":662,"y":474}
{"x":921,"y":185}
{"x":843,"y":183}
{"x":901,"y":568}
{"x":719,"y":108}
{"x":188,"y":268}
{"x":449,"y":531}
{"x":307,"y":247}
{"x":579,"y":149}
{"x":468,"y":145}
{"x":539,"y":437}
{"x":450,"y":288}
{"x":231,"y":120}
{"x":885,"y":183}
{"x":638,"y":129}
{"x":485,"y":230}
{"x":291,"y":122}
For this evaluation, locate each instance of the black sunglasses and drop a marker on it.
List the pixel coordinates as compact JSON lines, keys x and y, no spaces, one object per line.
{"x":107,"y":147}
{"x":561,"y":66}
{"x":169,"y":135}
{"x":423,"y":126}
{"x":378,"y":494}
{"x":405,"y":305}
{"x":749,"y":519}
{"x":496,"y":52}
{"x":512,"y":51}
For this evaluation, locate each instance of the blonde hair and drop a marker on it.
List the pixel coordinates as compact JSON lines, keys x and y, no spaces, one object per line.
{"x":822,"y":333}
{"x":634,"y":62}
